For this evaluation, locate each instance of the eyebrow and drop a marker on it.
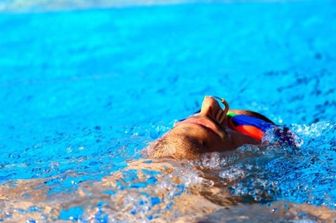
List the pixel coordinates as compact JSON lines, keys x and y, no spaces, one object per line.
{"x":195,"y":143}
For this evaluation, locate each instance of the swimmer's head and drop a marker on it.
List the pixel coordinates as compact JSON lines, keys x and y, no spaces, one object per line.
{"x":203,"y":132}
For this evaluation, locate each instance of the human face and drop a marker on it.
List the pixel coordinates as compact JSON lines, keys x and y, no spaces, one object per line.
{"x":208,"y":136}
{"x":208,"y":129}
{"x":204,"y":133}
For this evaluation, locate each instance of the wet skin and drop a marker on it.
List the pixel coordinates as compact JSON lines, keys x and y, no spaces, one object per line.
{"x":204,"y":132}
{"x":209,"y":136}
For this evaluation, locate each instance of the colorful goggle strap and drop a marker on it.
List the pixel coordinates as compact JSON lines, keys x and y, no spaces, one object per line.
{"x":249,"y":125}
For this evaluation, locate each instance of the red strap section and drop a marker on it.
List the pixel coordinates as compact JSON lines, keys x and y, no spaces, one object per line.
{"x":251,"y":131}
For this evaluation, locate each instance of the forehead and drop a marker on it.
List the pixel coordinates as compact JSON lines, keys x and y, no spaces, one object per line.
{"x":182,"y":127}
{"x":185,"y":144}
{"x":192,"y":130}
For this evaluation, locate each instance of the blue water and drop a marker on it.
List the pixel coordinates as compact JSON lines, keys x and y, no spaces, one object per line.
{"x":82,"y":92}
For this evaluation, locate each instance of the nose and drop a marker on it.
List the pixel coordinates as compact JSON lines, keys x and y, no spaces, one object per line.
{"x":212,"y":109}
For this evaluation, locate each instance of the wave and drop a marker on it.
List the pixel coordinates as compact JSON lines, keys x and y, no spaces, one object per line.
{"x":240,"y":182}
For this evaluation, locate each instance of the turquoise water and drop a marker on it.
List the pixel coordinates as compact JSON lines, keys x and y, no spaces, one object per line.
{"x":83,"y":92}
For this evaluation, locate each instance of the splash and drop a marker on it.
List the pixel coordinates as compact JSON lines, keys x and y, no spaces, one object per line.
{"x":304,"y":174}
{"x":139,"y":193}
{"x":240,"y":181}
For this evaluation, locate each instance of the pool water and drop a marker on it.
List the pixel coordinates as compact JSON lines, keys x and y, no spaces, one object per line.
{"x":82,"y":92}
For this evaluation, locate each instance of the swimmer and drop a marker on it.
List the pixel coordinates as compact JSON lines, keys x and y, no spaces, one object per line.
{"x":204,"y":198}
{"x":216,"y":129}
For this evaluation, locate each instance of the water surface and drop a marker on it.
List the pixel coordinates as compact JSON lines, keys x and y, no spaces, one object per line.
{"x":83,"y":92}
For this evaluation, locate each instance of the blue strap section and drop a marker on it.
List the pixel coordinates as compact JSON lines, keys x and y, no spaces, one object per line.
{"x":248,"y":120}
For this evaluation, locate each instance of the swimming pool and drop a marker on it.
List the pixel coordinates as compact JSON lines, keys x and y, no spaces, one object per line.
{"x":83,"y":92}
